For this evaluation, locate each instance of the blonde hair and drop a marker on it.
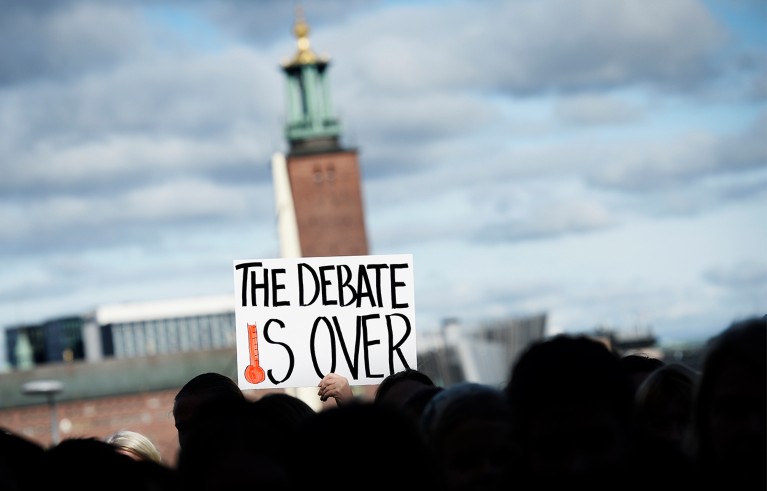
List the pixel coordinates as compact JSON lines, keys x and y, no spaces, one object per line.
{"x":135,"y":445}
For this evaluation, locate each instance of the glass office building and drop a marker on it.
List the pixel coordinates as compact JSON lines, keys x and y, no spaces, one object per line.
{"x":129,"y":330}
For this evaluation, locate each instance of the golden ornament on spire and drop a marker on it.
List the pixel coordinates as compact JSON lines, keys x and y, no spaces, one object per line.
{"x":304,"y":55}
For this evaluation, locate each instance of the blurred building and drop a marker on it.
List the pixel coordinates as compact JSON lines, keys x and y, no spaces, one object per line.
{"x":127,"y":330}
{"x":482,"y":353}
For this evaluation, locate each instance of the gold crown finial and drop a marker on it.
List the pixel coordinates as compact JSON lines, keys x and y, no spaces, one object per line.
{"x":305,"y":55}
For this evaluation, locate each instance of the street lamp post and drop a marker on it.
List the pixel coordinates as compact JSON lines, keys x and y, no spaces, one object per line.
{"x":48,"y":388}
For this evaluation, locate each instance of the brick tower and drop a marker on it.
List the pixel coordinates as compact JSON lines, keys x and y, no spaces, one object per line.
{"x":318,"y":188}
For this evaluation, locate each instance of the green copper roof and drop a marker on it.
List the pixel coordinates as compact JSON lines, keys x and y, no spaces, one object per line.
{"x":309,"y":112}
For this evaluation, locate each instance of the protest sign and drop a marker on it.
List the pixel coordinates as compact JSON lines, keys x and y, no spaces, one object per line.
{"x":298,"y":319}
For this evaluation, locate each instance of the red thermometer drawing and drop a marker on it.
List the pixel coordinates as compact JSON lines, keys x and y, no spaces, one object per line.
{"x":253,"y":372}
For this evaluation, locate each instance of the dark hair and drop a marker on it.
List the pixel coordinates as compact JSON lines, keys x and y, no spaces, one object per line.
{"x":640,"y":362}
{"x":461,"y":402}
{"x":743,"y":344}
{"x":416,"y":403}
{"x":88,"y":460}
{"x":202,"y":391}
{"x":570,"y":399}
{"x":393,"y":379}
{"x":20,"y":461}
{"x":282,"y":410}
{"x":210,"y":384}
{"x":568,"y":367}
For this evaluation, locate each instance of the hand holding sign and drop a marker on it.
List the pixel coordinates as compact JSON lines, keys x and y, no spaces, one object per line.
{"x":335,"y":386}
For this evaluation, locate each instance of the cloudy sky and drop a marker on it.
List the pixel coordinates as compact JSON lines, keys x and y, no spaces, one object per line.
{"x":602,"y":161}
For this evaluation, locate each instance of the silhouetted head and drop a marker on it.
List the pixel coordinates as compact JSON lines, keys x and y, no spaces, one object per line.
{"x":663,"y":406}
{"x":20,"y":461}
{"x":198,"y":392}
{"x":468,"y":428}
{"x":729,"y":438}
{"x":571,"y":406}
{"x":416,"y":403}
{"x":398,"y":386}
{"x":638,"y":366}
{"x":88,"y":462}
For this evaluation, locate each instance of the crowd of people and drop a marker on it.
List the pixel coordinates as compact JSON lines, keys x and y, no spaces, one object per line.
{"x":573,"y":415}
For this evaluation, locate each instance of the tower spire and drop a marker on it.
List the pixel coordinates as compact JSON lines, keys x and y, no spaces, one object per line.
{"x":311,"y":125}
{"x":318,"y":184}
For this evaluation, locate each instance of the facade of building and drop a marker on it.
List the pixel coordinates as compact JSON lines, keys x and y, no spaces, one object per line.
{"x":52,"y":341}
{"x":127,"y":330}
{"x":482,"y":353}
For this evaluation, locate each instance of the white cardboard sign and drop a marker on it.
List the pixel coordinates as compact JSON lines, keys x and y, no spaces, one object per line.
{"x":298,"y":319}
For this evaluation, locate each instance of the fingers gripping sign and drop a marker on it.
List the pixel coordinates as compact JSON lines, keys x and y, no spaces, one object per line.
{"x":335,"y":386}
